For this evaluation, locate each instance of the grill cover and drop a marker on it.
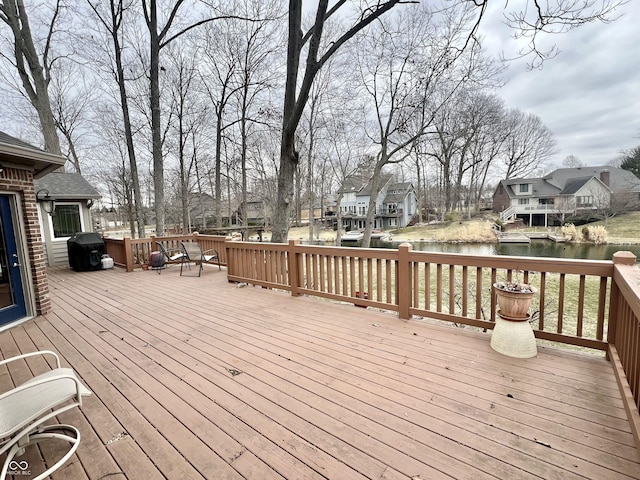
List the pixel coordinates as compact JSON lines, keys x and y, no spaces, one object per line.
{"x":85,"y":250}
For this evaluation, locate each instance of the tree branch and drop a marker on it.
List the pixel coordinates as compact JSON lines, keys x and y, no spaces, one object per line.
{"x":202,"y":22}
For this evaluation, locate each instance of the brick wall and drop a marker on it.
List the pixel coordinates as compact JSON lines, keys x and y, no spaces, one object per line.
{"x":21,"y":182}
{"x":500,"y":199}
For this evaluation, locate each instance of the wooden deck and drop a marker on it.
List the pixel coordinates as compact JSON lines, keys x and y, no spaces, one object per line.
{"x":197,"y":378}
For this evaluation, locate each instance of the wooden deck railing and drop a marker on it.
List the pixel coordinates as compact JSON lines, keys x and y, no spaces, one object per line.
{"x":134,"y":253}
{"x":571,"y":305}
{"x":624,"y":334}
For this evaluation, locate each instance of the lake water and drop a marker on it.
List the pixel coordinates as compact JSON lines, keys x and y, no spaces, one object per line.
{"x":537,"y":248}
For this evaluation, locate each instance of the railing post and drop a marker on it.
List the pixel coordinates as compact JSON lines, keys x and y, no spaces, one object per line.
{"x":624,"y":314}
{"x":624,"y":258}
{"x":403,"y":284}
{"x":294,"y":267}
{"x":128,"y":254}
{"x":619,"y":258}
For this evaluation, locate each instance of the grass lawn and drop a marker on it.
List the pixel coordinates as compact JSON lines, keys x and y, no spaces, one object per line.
{"x":623,"y":229}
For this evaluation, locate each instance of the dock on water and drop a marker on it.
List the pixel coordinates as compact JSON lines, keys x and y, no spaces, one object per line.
{"x":521,"y":237}
{"x":513,"y":237}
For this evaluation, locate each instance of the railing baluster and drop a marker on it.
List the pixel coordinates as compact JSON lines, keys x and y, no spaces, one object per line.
{"x":388,"y":269}
{"x":380,"y":279}
{"x":439,"y":287}
{"x":541,"y":292}
{"x":465,"y":288}
{"x":479,"y":292}
{"x":602,"y":296}
{"x":345,"y":276}
{"x":452,"y":289}
{"x":352,"y":275}
{"x":416,"y":285}
{"x":494,"y":277}
{"x":369,"y":287}
{"x":427,"y":286}
{"x":561,"y":303}
{"x":581,"y":291}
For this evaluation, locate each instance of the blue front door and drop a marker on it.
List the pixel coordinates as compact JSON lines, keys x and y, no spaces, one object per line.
{"x":12,"y":303}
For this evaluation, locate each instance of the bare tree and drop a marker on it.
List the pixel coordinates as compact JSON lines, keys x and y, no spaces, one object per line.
{"x":411,"y":66}
{"x":112,"y":20}
{"x":71,"y":98}
{"x":528,"y":145}
{"x":219,"y":66}
{"x":571,"y":161}
{"x":548,"y":17}
{"x":188,"y":115}
{"x":33,"y":68}
{"x":296,"y":97}
{"x":553,"y":17}
{"x":253,"y":50}
{"x":159,"y":38}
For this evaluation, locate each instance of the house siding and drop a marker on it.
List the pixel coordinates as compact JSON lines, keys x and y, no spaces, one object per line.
{"x":501,"y":199}
{"x":56,"y":252}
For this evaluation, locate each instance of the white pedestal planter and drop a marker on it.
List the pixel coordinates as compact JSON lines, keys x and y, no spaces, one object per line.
{"x":514,"y":338}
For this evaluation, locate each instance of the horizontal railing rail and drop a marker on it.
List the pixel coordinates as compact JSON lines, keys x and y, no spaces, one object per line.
{"x":134,"y":253}
{"x":571,"y":306}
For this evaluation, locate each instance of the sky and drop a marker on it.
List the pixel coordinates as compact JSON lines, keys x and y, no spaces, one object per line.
{"x":589,"y":94}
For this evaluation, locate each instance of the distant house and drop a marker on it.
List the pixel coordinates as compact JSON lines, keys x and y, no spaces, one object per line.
{"x":323,"y":208}
{"x":72,"y":213}
{"x":396,"y":203}
{"x":24,"y":289}
{"x":567,"y":193}
{"x":203,"y":206}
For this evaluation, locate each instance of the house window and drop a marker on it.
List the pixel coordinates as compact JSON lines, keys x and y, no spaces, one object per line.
{"x":546,"y":201}
{"x":585,"y":201}
{"x":524,"y":187}
{"x":66,"y":221}
{"x":523,"y":201}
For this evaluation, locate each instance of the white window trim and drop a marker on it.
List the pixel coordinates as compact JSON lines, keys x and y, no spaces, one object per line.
{"x":50,"y":220}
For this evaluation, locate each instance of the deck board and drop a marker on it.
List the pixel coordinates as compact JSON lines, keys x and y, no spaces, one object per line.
{"x":198,"y":378}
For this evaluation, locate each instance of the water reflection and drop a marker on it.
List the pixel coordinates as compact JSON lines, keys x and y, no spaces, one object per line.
{"x":537,"y":248}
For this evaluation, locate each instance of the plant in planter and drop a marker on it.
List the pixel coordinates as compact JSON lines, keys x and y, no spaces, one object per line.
{"x":514,"y":299}
{"x":512,"y":334}
{"x":365,"y":295}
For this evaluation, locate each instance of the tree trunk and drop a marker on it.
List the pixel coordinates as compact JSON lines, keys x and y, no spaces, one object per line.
{"x":156,"y":140}
{"x":116,"y":16}
{"x":288,"y":166}
{"x":33,"y":74}
{"x":288,"y":154}
{"x":375,"y":189}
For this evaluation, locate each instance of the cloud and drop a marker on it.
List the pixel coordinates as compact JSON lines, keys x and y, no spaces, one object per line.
{"x":589,"y":94}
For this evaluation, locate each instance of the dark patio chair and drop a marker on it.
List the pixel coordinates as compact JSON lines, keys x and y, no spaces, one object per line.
{"x":193,"y":253}
{"x":165,"y":258}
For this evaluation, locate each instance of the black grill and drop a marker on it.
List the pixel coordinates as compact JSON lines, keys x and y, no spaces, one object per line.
{"x":85,"y":251}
